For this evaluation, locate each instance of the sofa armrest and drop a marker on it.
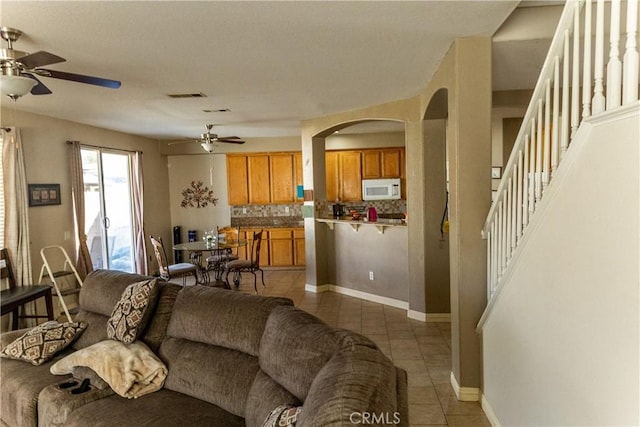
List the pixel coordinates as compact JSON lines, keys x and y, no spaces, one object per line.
{"x":11,"y":336}
{"x":403,"y":397}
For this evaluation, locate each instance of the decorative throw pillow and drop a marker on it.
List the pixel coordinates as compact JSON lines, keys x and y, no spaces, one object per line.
{"x":283,"y":416}
{"x":131,"y":313}
{"x":41,"y":343}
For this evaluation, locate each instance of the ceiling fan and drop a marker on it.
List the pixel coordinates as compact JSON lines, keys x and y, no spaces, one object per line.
{"x":18,"y":70}
{"x":209,"y":140}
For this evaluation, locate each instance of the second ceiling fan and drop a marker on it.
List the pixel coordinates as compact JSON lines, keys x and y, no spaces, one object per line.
{"x":208,"y":140}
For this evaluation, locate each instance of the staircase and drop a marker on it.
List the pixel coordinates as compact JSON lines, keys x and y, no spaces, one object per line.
{"x":561,"y":330}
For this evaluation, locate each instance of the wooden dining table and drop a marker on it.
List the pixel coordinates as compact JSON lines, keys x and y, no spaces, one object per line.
{"x":215,"y":247}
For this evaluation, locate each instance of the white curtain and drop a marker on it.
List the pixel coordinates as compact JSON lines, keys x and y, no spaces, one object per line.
{"x":16,"y":223}
{"x":137,"y":190}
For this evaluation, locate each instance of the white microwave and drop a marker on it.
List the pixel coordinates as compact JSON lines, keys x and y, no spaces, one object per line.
{"x":381,"y":189}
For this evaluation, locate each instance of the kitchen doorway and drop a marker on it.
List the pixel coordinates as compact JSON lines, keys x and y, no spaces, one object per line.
{"x":108,"y":210}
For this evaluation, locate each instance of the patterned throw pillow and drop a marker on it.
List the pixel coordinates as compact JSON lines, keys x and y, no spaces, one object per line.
{"x":41,"y":343}
{"x":283,"y":416}
{"x":131,"y":313}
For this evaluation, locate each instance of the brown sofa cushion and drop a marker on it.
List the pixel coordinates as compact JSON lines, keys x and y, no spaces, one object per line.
{"x":357,"y":379}
{"x":214,"y":374}
{"x":219,"y":317}
{"x":294,"y":347}
{"x":264,"y":396}
{"x":164,"y":408}
{"x":103,"y":284}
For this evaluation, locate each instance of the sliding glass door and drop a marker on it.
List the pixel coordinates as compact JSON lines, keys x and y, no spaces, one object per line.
{"x":108,"y":214}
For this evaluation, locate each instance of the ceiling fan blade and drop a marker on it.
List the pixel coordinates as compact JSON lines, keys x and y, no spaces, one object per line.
{"x":97,"y":81}
{"x":38,"y":59}
{"x":231,"y":141}
{"x":40,"y":88}
{"x":178,"y":142}
{"x":230,"y":137}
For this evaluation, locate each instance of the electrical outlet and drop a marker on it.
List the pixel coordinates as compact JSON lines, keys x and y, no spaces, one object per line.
{"x":244,"y":210}
{"x":67,"y":235}
{"x":371,"y":275}
{"x":286,"y":209}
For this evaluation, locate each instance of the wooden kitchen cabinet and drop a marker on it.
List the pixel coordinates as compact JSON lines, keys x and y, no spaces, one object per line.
{"x":331,"y":174}
{"x":281,"y":247}
{"x":298,"y":247}
{"x":391,"y":161}
{"x":371,"y":168}
{"x":282,"y":166}
{"x":382,"y":163}
{"x":343,"y":176}
{"x":258,"y":173}
{"x":350,"y":165}
{"x":237,"y":180}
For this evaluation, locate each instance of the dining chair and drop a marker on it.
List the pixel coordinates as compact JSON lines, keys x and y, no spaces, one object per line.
{"x":15,"y":297}
{"x":217,"y":261}
{"x":251,"y":265}
{"x":170,"y":271}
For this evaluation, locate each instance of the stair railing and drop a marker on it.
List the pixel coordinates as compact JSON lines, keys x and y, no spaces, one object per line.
{"x":561,"y":100}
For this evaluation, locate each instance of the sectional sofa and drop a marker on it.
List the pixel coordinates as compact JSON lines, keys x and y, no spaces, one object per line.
{"x":231,"y":360}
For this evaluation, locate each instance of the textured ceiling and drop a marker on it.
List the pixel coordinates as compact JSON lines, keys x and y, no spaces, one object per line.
{"x":272,"y":64}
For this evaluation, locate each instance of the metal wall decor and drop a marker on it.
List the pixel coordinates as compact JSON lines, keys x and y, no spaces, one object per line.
{"x":197,"y":195}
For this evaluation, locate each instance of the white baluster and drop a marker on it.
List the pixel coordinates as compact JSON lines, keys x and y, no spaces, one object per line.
{"x":546,"y":141}
{"x":586,"y":72}
{"x":504,"y":234}
{"x":598,"y":72}
{"x":489,"y":260}
{"x":508,"y":197}
{"x":614,"y":66}
{"x":555,"y":126}
{"x":525,"y":183}
{"x":575,"y":79}
{"x":519,"y":208}
{"x":532,"y":169}
{"x":630,"y":76}
{"x":514,"y":207}
{"x":539,"y":154}
{"x":494,"y":252}
{"x":500,"y":238}
{"x":564,"y":132}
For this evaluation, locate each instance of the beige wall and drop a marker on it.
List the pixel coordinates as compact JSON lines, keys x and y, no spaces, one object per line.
{"x":466,"y":73}
{"x":561,"y":345}
{"x":46,"y":158}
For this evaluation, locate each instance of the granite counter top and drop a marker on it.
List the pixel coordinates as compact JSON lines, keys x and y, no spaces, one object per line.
{"x":267,"y":222}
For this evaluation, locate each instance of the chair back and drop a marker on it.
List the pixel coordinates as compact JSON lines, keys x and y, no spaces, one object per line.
{"x":161,"y":256}
{"x":255,"y":248}
{"x":6,"y":272}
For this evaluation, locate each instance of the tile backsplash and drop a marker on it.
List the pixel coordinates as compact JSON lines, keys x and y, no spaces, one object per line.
{"x":323,"y":209}
{"x":239,"y":211}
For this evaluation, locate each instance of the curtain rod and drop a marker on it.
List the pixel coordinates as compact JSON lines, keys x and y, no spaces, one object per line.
{"x":107,"y":148}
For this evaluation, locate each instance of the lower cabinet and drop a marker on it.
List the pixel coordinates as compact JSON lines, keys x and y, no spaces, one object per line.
{"x":281,"y":247}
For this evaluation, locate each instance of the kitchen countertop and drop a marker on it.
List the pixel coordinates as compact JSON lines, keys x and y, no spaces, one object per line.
{"x":268,"y":222}
{"x":380,"y":224}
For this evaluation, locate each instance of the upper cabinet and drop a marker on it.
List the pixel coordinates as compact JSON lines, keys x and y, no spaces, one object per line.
{"x":282,"y":177}
{"x":263,"y":178}
{"x":237,"y":179}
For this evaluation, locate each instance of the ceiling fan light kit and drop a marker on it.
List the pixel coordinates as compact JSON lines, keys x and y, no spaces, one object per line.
{"x":18,"y":70}
{"x":16,"y":86}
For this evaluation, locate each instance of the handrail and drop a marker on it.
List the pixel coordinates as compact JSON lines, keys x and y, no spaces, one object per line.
{"x":554,"y":115}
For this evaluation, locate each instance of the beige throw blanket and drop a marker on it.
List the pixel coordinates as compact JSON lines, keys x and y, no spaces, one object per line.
{"x":132,"y":370}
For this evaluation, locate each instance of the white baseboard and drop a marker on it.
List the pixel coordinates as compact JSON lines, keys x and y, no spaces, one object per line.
{"x":488,"y":411}
{"x":417,"y":315}
{"x":369,"y":297}
{"x":465,"y":394}
{"x":316,"y":289}
{"x":438,"y":317}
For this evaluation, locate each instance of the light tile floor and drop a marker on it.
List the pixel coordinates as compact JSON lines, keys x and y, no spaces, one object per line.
{"x":422,"y":349}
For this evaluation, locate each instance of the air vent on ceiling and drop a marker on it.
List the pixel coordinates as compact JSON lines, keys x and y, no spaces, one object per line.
{"x":187,"y":95}
{"x":218,"y":110}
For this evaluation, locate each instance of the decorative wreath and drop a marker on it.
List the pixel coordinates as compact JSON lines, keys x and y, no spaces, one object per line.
{"x":197,"y":196}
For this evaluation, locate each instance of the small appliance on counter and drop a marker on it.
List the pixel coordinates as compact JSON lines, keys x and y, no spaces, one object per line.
{"x":372,"y":214}
{"x":338,"y":211}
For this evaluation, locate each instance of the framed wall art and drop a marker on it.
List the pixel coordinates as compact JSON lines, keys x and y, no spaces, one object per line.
{"x":44,"y":194}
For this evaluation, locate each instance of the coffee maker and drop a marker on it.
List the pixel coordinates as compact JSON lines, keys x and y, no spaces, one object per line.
{"x":338,"y":210}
